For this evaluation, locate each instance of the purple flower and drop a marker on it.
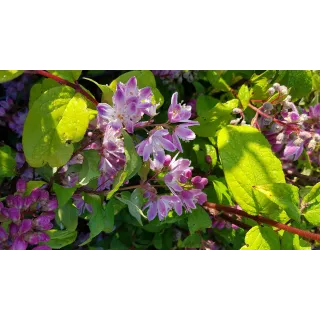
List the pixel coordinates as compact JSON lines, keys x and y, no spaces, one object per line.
{"x":80,"y":204}
{"x":314,"y":112}
{"x":293,"y":149}
{"x":199,"y":182}
{"x":42,"y":223}
{"x":113,"y":157}
{"x":129,"y":105}
{"x":162,"y":205}
{"x":3,"y":234}
{"x":190,"y":198}
{"x":156,"y":143}
{"x":19,"y":244}
{"x":21,"y":186}
{"x":25,"y":226}
{"x":181,"y":113}
{"x":180,"y":172}
{"x":51,"y":205}
{"x":14,"y":214}
{"x":15,"y":201}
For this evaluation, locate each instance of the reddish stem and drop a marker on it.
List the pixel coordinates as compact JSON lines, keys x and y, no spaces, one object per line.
{"x":260,"y":219}
{"x":75,"y":86}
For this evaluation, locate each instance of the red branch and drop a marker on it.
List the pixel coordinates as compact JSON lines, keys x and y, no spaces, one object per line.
{"x":260,"y":219}
{"x":75,"y":86}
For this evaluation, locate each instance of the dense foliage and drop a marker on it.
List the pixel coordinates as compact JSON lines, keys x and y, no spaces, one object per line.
{"x":159,"y":160}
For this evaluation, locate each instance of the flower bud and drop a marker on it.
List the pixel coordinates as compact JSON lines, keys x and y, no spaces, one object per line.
{"x":19,"y":244}
{"x":283,"y":90}
{"x":27,"y":202}
{"x":43,"y":196}
{"x":3,"y":234}
{"x":32,"y":238}
{"x":43,"y":237}
{"x":167,"y":160}
{"x":50,"y":214}
{"x":199,"y":182}
{"x":42,"y":223}
{"x":276,"y":86}
{"x":271,"y":91}
{"x":188,"y":173}
{"x":25,"y":226}
{"x":51,"y":205}
{"x":13,"y":230}
{"x":14,"y":214}
{"x":21,"y":186}
{"x":235,"y":121}
{"x":311,"y":145}
{"x":236,"y":111}
{"x":208,"y":159}
{"x":267,"y":106}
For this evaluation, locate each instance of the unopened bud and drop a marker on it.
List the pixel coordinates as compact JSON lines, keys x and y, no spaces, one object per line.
{"x":208,"y":159}
{"x":235,"y":121}
{"x":283,"y":90}
{"x":276,"y":86}
{"x":21,"y":186}
{"x":167,"y":160}
{"x":236,"y":111}
{"x":267,"y":106}
{"x":25,"y":226}
{"x":271,"y":91}
{"x":3,"y":234}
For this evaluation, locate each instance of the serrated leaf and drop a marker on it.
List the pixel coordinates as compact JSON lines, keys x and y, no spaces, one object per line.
{"x":145,"y":78}
{"x":248,"y":161}
{"x":261,"y":238}
{"x":56,"y":119}
{"x":217,"y":117}
{"x":31,"y":185}
{"x":298,"y":81}
{"x":60,"y":239}
{"x":198,"y":219}
{"x":68,"y":215}
{"x":244,"y":96}
{"x":8,"y":75}
{"x":70,"y":75}
{"x":7,"y":162}
{"x":286,"y":196}
{"x":90,"y":167}
{"x":63,"y":194}
{"x":192,"y":241}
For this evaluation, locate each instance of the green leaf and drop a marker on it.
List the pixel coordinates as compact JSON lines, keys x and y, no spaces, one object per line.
{"x":63,"y":194}
{"x":134,"y":210}
{"x":119,"y":179}
{"x":133,"y":160}
{"x":217,"y":81}
{"x":157,"y":241}
{"x":198,"y":219}
{"x":286,"y":196}
{"x":144,"y":171}
{"x":290,"y":241}
{"x":261,"y":238}
{"x":217,"y":117}
{"x":298,"y":81}
{"x":96,"y":223}
{"x":107,"y":92}
{"x":205,"y":105}
{"x":40,"y":88}
{"x":58,"y":118}
{"x":145,"y":78}
{"x":8,"y":75}
{"x":60,"y":239}
{"x":244,"y":96}
{"x":7,"y":162}
{"x":248,"y":161}
{"x":222,"y":191}
{"x":260,"y":89}
{"x":90,"y":167}
{"x":70,"y":75}
{"x":202,"y":149}
{"x":192,"y":241}
{"x":68,"y":215}
{"x":312,"y":195}
{"x":114,"y":206}
{"x":33,"y":185}
{"x":313,"y":215}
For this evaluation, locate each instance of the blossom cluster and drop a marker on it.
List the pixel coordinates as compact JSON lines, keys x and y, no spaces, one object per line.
{"x":293,"y":129}
{"x":12,"y":114}
{"x":25,"y":218}
{"x":172,"y":78}
{"x":130,"y":106}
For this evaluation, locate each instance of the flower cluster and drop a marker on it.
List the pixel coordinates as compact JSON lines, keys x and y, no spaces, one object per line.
{"x":12,"y":114}
{"x":25,"y":218}
{"x":174,"y":77}
{"x":293,"y":130}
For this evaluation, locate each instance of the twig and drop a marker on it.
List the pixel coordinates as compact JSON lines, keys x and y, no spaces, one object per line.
{"x":260,"y":219}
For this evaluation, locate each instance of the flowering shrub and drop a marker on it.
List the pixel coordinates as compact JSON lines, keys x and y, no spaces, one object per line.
{"x":160,"y":160}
